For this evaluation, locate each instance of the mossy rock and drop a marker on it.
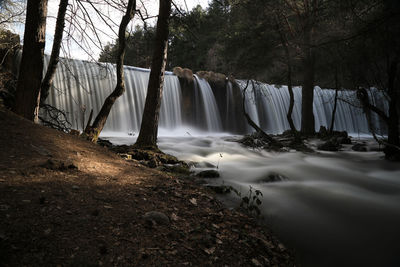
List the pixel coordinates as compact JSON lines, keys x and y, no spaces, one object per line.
{"x":208,"y":174}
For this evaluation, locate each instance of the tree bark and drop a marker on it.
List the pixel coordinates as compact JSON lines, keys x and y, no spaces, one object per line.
{"x":335,"y":103}
{"x":93,"y":132}
{"x":31,"y":68}
{"x":285,"y":45}
{"x":307,"y":115}
{"x":392,"y":149}
{"x":55,"y":52}
{"x":147,"y":138}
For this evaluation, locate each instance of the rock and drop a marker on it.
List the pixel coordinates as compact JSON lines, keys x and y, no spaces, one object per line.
{"x":152,"y":163}
{"x":176,"y":168}
{"x":330,"y":145}
{"x":208,"y":174}
{"x":359,"y":148}
{"x":104,"y":143}
{"x":273,"y":177}
{"x":157,"y":217}
{"x":322,"y":131}
{"x":220,"y":189}
{"x":74,"y":132}
{"x":344,"y":140}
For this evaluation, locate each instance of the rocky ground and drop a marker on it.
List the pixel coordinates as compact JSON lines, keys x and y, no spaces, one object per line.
{"x":67,"y":202}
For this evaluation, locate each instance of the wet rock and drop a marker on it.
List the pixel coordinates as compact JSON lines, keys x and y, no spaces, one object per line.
{"x":322,"y":131}
{"x":330,"y":145}
{"x":74,"y":132}
{"x":176,"y":168}
{"x":359,"y":148}
{"x":344,"y":140}
{"x":220,"y":189}
{"x":274,"y":177}
{"x":208,"y":174}
{"x":152,"y":163}
{"x":156,"y":217}
{"x":104,"y":143}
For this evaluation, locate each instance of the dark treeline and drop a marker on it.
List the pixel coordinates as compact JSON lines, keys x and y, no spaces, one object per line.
{"x":243,"y":38}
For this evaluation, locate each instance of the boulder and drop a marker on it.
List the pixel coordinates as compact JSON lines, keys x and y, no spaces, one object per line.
{"x":208,"y":174}
{"x":359,"y":148}
{"x":274,"y":177}
{"x":330,"y":145}
{"x":220,"y":189}
{"x":344,"y":140}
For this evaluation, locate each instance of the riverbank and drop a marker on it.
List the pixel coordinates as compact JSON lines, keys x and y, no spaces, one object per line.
{"x":65,"y":201}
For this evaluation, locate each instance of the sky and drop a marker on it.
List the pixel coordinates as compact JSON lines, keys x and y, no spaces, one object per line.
{"x":81,"y":48}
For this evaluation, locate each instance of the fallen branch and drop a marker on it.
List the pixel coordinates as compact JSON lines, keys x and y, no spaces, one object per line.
{"x":251,"y":122}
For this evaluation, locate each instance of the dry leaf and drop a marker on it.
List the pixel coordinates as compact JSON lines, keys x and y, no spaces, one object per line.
{"x":174,"y":217}
{"x":210,"y":250}
{"x":193,"y":201}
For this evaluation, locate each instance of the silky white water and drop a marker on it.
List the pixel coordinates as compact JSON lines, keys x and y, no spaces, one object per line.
{"x":336,"y":209}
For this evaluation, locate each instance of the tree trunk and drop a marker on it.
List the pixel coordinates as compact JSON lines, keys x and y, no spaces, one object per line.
{"x":55,"y":52}
{"x":31,"y":68}
{"x":147,"y":138}
{"x":392,"y":149}
{"x":93,"y":132}
{"x":335,"y":103}
{"x":285,"y":45}
{"x":307,"y":115}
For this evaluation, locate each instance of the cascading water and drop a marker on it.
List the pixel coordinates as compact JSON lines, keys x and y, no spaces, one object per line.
{"x":81,"y":85}
{"x":267,"y":105}
{"x":211,"y":112}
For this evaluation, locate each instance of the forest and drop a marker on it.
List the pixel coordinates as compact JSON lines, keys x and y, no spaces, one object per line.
{"x":179,"y":132}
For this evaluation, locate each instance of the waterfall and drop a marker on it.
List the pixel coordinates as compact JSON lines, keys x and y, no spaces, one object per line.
{"x":210,"y":107}
{"x":80,"y":86}
{"x":267,"y":105}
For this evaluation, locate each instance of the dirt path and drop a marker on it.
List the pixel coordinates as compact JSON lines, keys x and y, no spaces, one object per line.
{"x":67,"y":202}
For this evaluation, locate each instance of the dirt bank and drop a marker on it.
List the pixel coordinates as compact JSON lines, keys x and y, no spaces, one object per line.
{"x":67,"y":202}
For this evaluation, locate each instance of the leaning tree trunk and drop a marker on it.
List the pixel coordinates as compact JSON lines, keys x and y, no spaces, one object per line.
{"x":335,"y":101}
{"x":55,"y":52}
{"x":147,"y":138}
{"x":31,"y":68}
{"x":93,"y":131}
{"x":254,"y":125}
{"x":307,"y":115}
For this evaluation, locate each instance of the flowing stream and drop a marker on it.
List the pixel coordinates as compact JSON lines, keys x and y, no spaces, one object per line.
{"x":335,"y":209}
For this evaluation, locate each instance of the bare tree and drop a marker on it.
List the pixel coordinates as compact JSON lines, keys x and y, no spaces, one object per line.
{"x":147,"y":138}
{"x":93,"y":132}
{"x":30,"y":73}
{"x":55,"y":52}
